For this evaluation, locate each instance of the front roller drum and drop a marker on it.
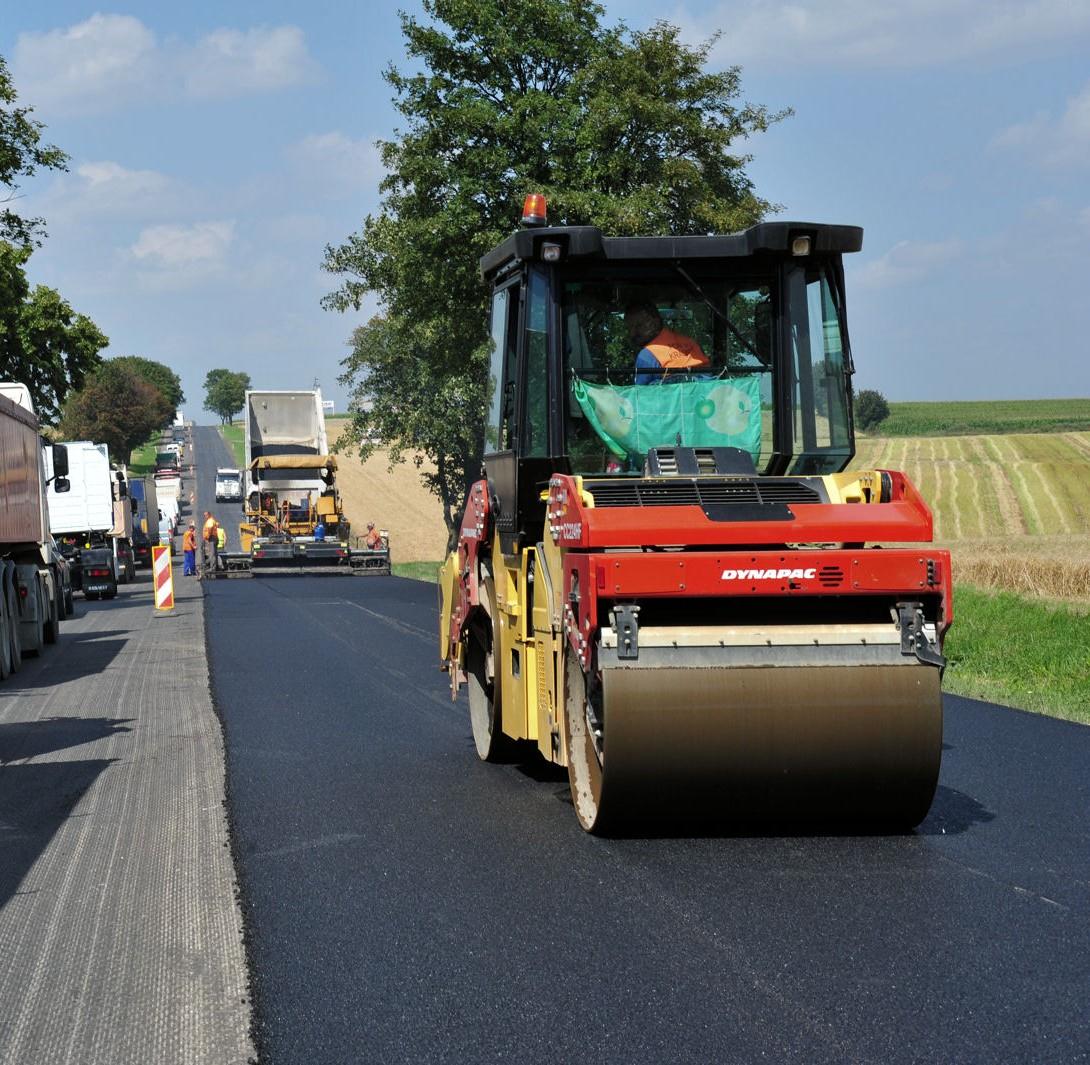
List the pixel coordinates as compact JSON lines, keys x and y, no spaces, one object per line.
{"x":845,"y":745}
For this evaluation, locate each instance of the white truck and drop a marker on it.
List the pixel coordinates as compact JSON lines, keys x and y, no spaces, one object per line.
{"x":228,"y":485}
{"x":32,"y":599}
{"x":95,"y":512}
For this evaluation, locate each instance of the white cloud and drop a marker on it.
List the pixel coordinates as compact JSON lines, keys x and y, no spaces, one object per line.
{"x":905,"y":262}
{"x":334,"y":159}
{"x":109,"y":61}
{"x":878,"y":33}
{"x":106,"y":190}
{"x":229,"y":62}
{"x":183,"y":249}
{"x":1054,"y":142}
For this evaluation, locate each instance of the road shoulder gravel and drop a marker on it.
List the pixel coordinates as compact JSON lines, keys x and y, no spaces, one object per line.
{"x":120,"y":930}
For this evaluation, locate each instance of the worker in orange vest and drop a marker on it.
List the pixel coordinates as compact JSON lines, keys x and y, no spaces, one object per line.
{"x":661,"y":349}
{"x":189,"y":551}
{"x":208,"y":533}
{"x":374,"y":537}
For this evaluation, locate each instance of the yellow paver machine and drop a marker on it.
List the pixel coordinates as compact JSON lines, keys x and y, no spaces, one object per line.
{"x":292,"y":516}
{"x":665,"y":579}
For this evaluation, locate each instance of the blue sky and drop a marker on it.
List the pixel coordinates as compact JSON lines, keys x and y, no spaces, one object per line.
{"x":216,"y":148}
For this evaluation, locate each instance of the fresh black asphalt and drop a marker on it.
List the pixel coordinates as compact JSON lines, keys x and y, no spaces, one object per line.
{"x":406,"y":902}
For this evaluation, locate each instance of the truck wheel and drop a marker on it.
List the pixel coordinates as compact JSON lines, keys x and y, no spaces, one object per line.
{"x":53,"y":625}
{"x":13,"y":628}
{"x":69,"y":603}
{"x":39,"y":626}
{"x":5,"y":635}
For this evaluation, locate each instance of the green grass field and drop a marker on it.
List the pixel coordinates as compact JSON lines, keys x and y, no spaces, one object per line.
{"x":1012,"y":650}
{"x":232,"y":434}
{"x":986,"y":417}
{"x":142,"y":460}
{"x":417,"y":571}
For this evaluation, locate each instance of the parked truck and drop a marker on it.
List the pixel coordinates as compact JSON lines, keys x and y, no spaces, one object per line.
{"x":95,"y":512}
{"x":292,"y":516}
{"x":146,"y":517}
{"x":32,"y":600}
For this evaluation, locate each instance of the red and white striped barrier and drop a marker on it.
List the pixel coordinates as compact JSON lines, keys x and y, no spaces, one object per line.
{"x":164,"y":578}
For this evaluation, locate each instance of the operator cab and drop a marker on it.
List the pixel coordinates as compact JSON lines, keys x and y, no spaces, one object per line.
{"x":771,"y":394}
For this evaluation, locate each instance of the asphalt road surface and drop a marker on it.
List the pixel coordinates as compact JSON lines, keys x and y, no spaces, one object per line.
{"x":211,"y":452}
{"x":406,"y":902}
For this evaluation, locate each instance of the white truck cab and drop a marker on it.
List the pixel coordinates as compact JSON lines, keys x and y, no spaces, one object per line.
{"x":228,"y":485}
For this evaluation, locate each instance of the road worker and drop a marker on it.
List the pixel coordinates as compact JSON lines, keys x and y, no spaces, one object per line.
{"x":373,"y":539}
{"x":189,"y":551}
{"x":661,"y":349}
{"x":221,"y":541}
{"x":210,"y":563}
{"x":319,"y":530}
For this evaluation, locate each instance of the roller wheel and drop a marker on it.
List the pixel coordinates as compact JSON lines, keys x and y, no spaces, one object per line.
{"x":581,"y":716}
{"x":484,"y":697}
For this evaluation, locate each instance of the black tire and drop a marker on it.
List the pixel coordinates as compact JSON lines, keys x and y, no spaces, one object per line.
{"x":5,"y":636}
{"x":109,"y":595}
{"x":13,"y":630}
{"x":53,"y":625}
{"x":69,"y":603}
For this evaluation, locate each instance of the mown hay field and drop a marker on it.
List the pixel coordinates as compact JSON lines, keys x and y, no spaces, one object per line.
{"x":1013,"y":508}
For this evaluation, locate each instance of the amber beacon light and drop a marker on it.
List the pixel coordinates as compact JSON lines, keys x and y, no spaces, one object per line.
{"x":533,"y":209}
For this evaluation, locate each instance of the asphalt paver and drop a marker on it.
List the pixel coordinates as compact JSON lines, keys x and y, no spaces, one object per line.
{"x":406,"y":902}
{"x":120,"y":930}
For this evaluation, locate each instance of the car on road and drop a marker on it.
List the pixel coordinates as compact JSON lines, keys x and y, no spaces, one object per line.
{"x":228,"y":485}
{"x":166,"y":534}
{"x":99,"y":578}
{"x":141,"y":548}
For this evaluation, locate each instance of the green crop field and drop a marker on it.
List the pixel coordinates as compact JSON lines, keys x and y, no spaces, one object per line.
{"x":142,"y":460}
{"x":985,"y":417}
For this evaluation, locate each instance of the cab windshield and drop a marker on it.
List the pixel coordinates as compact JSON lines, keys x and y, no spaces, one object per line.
{"x":687,"y":359}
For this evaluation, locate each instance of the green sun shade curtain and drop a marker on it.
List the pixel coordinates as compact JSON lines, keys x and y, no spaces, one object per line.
{"x":632,"y":419}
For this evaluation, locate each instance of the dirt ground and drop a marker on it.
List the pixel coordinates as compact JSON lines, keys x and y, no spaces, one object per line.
{"x":394,"y":500}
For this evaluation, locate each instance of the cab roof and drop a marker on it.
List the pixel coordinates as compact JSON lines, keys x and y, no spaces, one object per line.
{"x":588,"y":243}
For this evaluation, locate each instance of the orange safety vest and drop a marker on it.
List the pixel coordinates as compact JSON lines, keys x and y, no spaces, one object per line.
{"x":209,"y":532}
{"x":189,"y":541}
{"x":675,"y":351}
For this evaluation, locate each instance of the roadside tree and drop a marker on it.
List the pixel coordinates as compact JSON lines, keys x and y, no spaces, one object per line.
{"x":871,"y":409}
{"x":116,"y":407}
{"x":225,"y":393}
{"x":43,"y":342}
{"x":21,"y":154}
{"x":622,"y":129}
{"x":158,"y":376}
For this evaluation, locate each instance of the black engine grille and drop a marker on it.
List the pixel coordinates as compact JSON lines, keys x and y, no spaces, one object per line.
{"x":706,"y":491}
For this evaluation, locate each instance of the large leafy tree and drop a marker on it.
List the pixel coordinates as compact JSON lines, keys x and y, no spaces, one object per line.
{"x":627,"y":130}
{"x":225,"y":392}
{"x":158,"y":376}
{"x":43,"y":342}
{"x":21,"y":154}
{"x":116,"y":407}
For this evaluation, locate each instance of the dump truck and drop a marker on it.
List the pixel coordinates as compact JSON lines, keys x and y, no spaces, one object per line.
{"x":292,"y":516}
{"x":32,"y":599}
{"x":95,"y":511}
{"x":666,"y":579}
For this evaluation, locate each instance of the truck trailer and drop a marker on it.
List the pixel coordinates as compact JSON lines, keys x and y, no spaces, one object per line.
{"x":292,"y":516}
{"x":146,"y":518}
{"x":95,"y":511}
{"x":32,"y":601}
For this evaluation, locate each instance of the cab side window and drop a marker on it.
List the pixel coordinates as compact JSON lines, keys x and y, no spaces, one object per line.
{"x":501,"y":426}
